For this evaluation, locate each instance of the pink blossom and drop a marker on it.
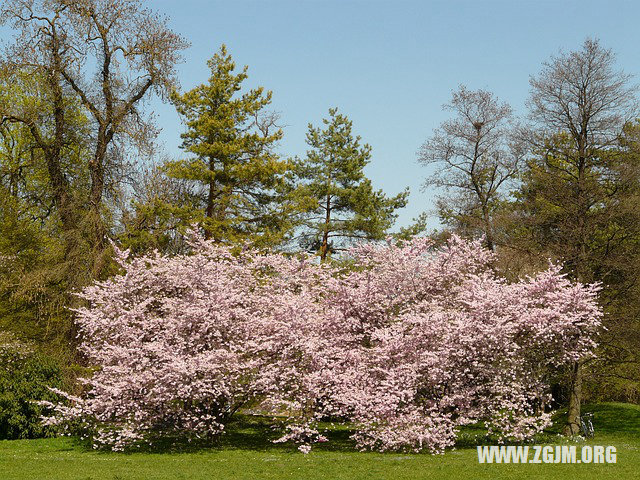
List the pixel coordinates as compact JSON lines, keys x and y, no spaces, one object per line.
{"x":409,"y":345}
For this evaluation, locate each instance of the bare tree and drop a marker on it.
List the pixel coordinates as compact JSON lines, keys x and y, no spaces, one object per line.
{"x":131,"y":52}
{"x":475,"y":155}
{"x":581,"y":94}
{"x":579,"y":104}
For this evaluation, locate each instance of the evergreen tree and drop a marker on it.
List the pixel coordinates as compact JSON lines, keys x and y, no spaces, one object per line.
{"x":342,"y":205}
{"x":238,"y":179}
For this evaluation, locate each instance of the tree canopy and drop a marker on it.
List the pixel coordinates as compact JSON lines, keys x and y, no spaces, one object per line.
{"x":238,"y":178}
{"x":342,"y":203}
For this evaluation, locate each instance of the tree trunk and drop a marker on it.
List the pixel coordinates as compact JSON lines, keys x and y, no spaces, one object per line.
{"x":325,"y":234}
{"x":488,"y":230}
{"x":209,"y":210}
{"x":575,"y":398}
{"x":575,"y":379}
{"x":54,"y":150}
{"x":96,"y":170}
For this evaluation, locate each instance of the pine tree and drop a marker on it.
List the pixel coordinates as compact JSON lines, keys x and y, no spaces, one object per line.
{"x":342,"y":204}
{"x":239,"y":179}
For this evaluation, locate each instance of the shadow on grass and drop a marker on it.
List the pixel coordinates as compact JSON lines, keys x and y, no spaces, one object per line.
{"x":253,"y":432}
{"x":257,"y":433}
{"x":608,"y":419}
{"x":615,"y":418}
{"x":243,"y":432}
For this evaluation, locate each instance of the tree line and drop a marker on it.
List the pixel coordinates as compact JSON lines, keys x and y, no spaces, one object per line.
{"x":78,"y":170}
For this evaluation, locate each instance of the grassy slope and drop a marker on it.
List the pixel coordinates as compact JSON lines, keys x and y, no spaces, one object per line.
{"x":247,"y":454}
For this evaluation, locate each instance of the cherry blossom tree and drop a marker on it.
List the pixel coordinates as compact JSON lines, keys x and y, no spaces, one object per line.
{"x":420,"y":342}
{"x":408,"y":345}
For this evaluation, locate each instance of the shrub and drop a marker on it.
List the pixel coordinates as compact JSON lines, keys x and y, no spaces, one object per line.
{"x":25,"y":378}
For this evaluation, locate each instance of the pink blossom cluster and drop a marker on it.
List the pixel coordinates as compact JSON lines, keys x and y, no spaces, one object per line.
{"x":407,"y":344}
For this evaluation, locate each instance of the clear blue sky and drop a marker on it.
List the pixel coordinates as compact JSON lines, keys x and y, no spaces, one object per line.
{"x":388,"y":64}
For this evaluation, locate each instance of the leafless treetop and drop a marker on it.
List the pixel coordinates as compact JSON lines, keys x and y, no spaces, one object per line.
{"x":582,"y":94}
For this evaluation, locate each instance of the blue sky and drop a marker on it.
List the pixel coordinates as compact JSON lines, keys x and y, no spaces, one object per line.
{"x":388,"y":65}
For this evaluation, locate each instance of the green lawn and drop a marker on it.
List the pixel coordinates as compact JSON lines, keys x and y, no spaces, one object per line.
{"x":247,"y":454}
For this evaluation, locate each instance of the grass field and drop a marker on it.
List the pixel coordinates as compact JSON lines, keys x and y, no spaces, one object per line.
{"x":246,"y":453}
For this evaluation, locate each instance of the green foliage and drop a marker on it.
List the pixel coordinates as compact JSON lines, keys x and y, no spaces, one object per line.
{"x":237,"y":181}
{"x":419,"y":226}
{"x":41,"y":261}
{"x":341,"y":204}
{"x":586,"y":214}
{"x":25,"y":376}
{"x":160,"y":211}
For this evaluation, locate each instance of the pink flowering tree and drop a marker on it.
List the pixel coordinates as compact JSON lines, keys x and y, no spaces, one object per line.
{"x":415,"y":342}
{"x":408,"y":345}
{"x":180,"y":343}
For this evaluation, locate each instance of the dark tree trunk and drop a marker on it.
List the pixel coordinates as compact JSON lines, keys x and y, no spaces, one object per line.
{"x":209,"y":210}
{"x":575,"y":399}
{"x":325,"y":234}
